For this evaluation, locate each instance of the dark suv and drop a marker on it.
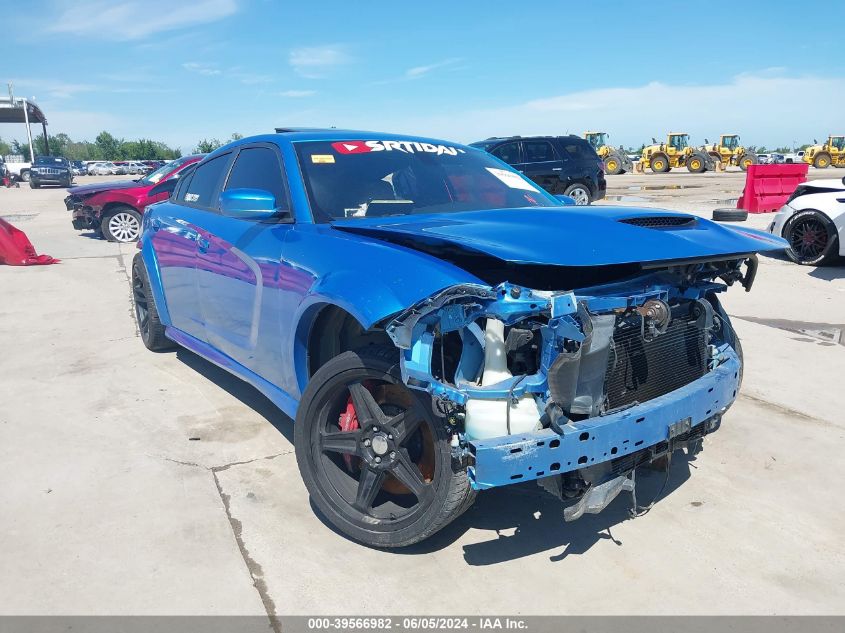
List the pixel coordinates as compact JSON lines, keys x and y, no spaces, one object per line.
{"x":560,"y":164}
{"x":50,"y":170}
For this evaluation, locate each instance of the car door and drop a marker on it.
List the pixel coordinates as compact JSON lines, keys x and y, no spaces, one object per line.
{"x":175,"y":231}
{"x":238,"y":267}
{"x":542,"y":164}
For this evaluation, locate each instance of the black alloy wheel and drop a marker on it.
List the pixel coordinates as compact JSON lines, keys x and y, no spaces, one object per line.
{"x":374,"y":457}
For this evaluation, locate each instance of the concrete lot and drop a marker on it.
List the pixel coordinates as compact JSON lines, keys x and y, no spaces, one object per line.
{"x":141,"y":483}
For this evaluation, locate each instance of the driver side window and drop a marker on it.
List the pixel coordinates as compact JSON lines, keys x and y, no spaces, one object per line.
{"x":259,"y":168}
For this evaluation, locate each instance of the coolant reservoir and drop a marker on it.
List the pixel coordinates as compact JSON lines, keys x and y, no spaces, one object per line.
{"x":489,"y":418}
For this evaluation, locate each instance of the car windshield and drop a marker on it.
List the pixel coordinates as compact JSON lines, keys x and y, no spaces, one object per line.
{"x":50,"y":160}
{"x":355,"y":179}
{"x":154,"y":177}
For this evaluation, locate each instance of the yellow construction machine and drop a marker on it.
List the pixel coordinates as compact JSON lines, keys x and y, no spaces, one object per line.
{"x":675,"y":152}
{"x":728,"y":151}
{"x":616,"y":161}
{"x":827,"y":154}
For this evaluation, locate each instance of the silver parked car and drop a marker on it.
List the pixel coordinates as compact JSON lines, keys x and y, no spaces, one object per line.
{"x":133,"y":167}
{"x":103,"y":169}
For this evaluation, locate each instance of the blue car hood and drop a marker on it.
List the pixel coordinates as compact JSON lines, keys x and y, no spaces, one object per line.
{"x":571,"y":236}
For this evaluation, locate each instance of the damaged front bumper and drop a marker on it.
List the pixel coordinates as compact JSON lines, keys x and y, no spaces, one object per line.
{"x":625,"y":439}
{"x":83,"y":216}
{"x":622,"y":374}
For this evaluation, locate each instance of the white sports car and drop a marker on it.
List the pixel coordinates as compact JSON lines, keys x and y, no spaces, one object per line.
{"x":813,"y":222}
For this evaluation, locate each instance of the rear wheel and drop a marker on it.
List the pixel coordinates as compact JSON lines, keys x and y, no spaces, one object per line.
{"x":812,"y":238}
{"x":25,"y":176}
{"x":578,"y":192}
{"x":660,"y":164}
{"x":822,"y":161}
{"x":121,"y":224}
{"x":748,"y":159}
{"x":374,"y":457}
{"x":146,"y":311}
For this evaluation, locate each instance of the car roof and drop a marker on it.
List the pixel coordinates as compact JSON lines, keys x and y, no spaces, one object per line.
{"x":499,"y":139}
{"x":295,"y":135}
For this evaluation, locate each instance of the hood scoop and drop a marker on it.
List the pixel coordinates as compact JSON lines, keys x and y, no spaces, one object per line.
{"x":661,"y":221}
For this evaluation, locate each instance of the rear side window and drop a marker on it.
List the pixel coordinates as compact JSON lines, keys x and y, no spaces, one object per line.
{"x":578,"y":150}
{"x":259,"y":168}
{"x":202,"y":186}
{"x":538,"y":151}
{"x":509,"y":152}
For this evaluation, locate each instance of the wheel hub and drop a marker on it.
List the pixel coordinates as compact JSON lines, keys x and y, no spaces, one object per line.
{"x":379,"y":444}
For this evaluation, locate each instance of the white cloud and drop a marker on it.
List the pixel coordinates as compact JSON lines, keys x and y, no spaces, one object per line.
{"x":316,"y":61}
{"x":297,"y":93}
{"x":207,"y":70}
{"x":136,"y":19}
{"x":765,"y":107}
{"x":420,"y":71}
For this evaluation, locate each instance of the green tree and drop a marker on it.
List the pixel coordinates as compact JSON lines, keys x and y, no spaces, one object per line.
{"x":21,"y":148}
{"x":109,"y":146}
{"x":237,"y":136}
{"x":206,"y":146}
{"x":5,"y":148}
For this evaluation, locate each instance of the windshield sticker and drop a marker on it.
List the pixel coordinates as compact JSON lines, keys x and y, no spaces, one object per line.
{"x":512,"y":180}
{"x":191,"y":197}
{"x":322,"y":158}
{"x":406,"y":147}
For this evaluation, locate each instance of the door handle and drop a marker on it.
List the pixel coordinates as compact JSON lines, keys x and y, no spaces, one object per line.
{"x":202,"y":244}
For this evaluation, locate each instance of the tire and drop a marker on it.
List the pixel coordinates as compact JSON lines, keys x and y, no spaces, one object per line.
{"x":822,"y":161}
{"x":121,"y":224}
{"x":33,"y":184}
{"x":613,"y":165}
{"x":146,"y":311}
{"x":580,"y":193}
{"x":812,"y":238}
{"x":25,"y":177}
{"x":660,"y":164}
{"x":730,"y":215}
{"x":371,"y":501}
{"x":748,"y":159}
{"x":696,"y":164}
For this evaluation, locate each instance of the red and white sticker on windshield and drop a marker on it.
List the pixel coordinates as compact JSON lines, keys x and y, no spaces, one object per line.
{"x":406,"y":147}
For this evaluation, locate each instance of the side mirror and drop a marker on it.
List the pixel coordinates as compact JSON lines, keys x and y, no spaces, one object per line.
{"x":569,"y":202}
{"x":166,"y":186}
{"x":249,"y":204}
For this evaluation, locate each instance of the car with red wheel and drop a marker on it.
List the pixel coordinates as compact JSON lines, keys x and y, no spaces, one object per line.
{"x":113,"y":210}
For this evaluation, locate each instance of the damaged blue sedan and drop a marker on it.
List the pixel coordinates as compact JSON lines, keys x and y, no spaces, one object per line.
{"x":438,"y":325}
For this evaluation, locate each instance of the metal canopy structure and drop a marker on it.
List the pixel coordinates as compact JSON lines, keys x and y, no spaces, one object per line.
{"x":23,"y":111}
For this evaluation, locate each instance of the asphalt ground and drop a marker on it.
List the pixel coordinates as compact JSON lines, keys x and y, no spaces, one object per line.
{"x":141,"y":483}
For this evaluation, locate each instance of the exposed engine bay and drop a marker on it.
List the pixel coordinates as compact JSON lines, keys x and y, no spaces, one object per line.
{"x":516,"y":371}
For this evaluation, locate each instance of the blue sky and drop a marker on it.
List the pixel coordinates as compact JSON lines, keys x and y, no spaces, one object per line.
{"x":181,"y":71}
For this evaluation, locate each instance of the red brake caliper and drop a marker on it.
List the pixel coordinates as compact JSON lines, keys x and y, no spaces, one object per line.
{"x":347,"y":422}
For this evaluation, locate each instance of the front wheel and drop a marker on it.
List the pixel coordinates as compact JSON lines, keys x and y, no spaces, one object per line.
{"x":613,"y":165}
{"x":33,"y":184}
{"x":122,"y":224}
{"x":578,"y":192}
{"x":375,"y":459}
{"x":811,"y":238}
{"x":822,"y":161}
{"x":660,"y":164}
{"x":696,"y":164}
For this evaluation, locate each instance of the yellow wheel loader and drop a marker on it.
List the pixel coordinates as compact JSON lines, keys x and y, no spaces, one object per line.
{"x":827,"y":154}
{"x":615,"y":160}
{"x":675,"y":152}
{"x":728,"y":151}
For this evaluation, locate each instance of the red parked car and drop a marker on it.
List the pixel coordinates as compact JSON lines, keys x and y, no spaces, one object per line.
{"x":113,"y":210}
